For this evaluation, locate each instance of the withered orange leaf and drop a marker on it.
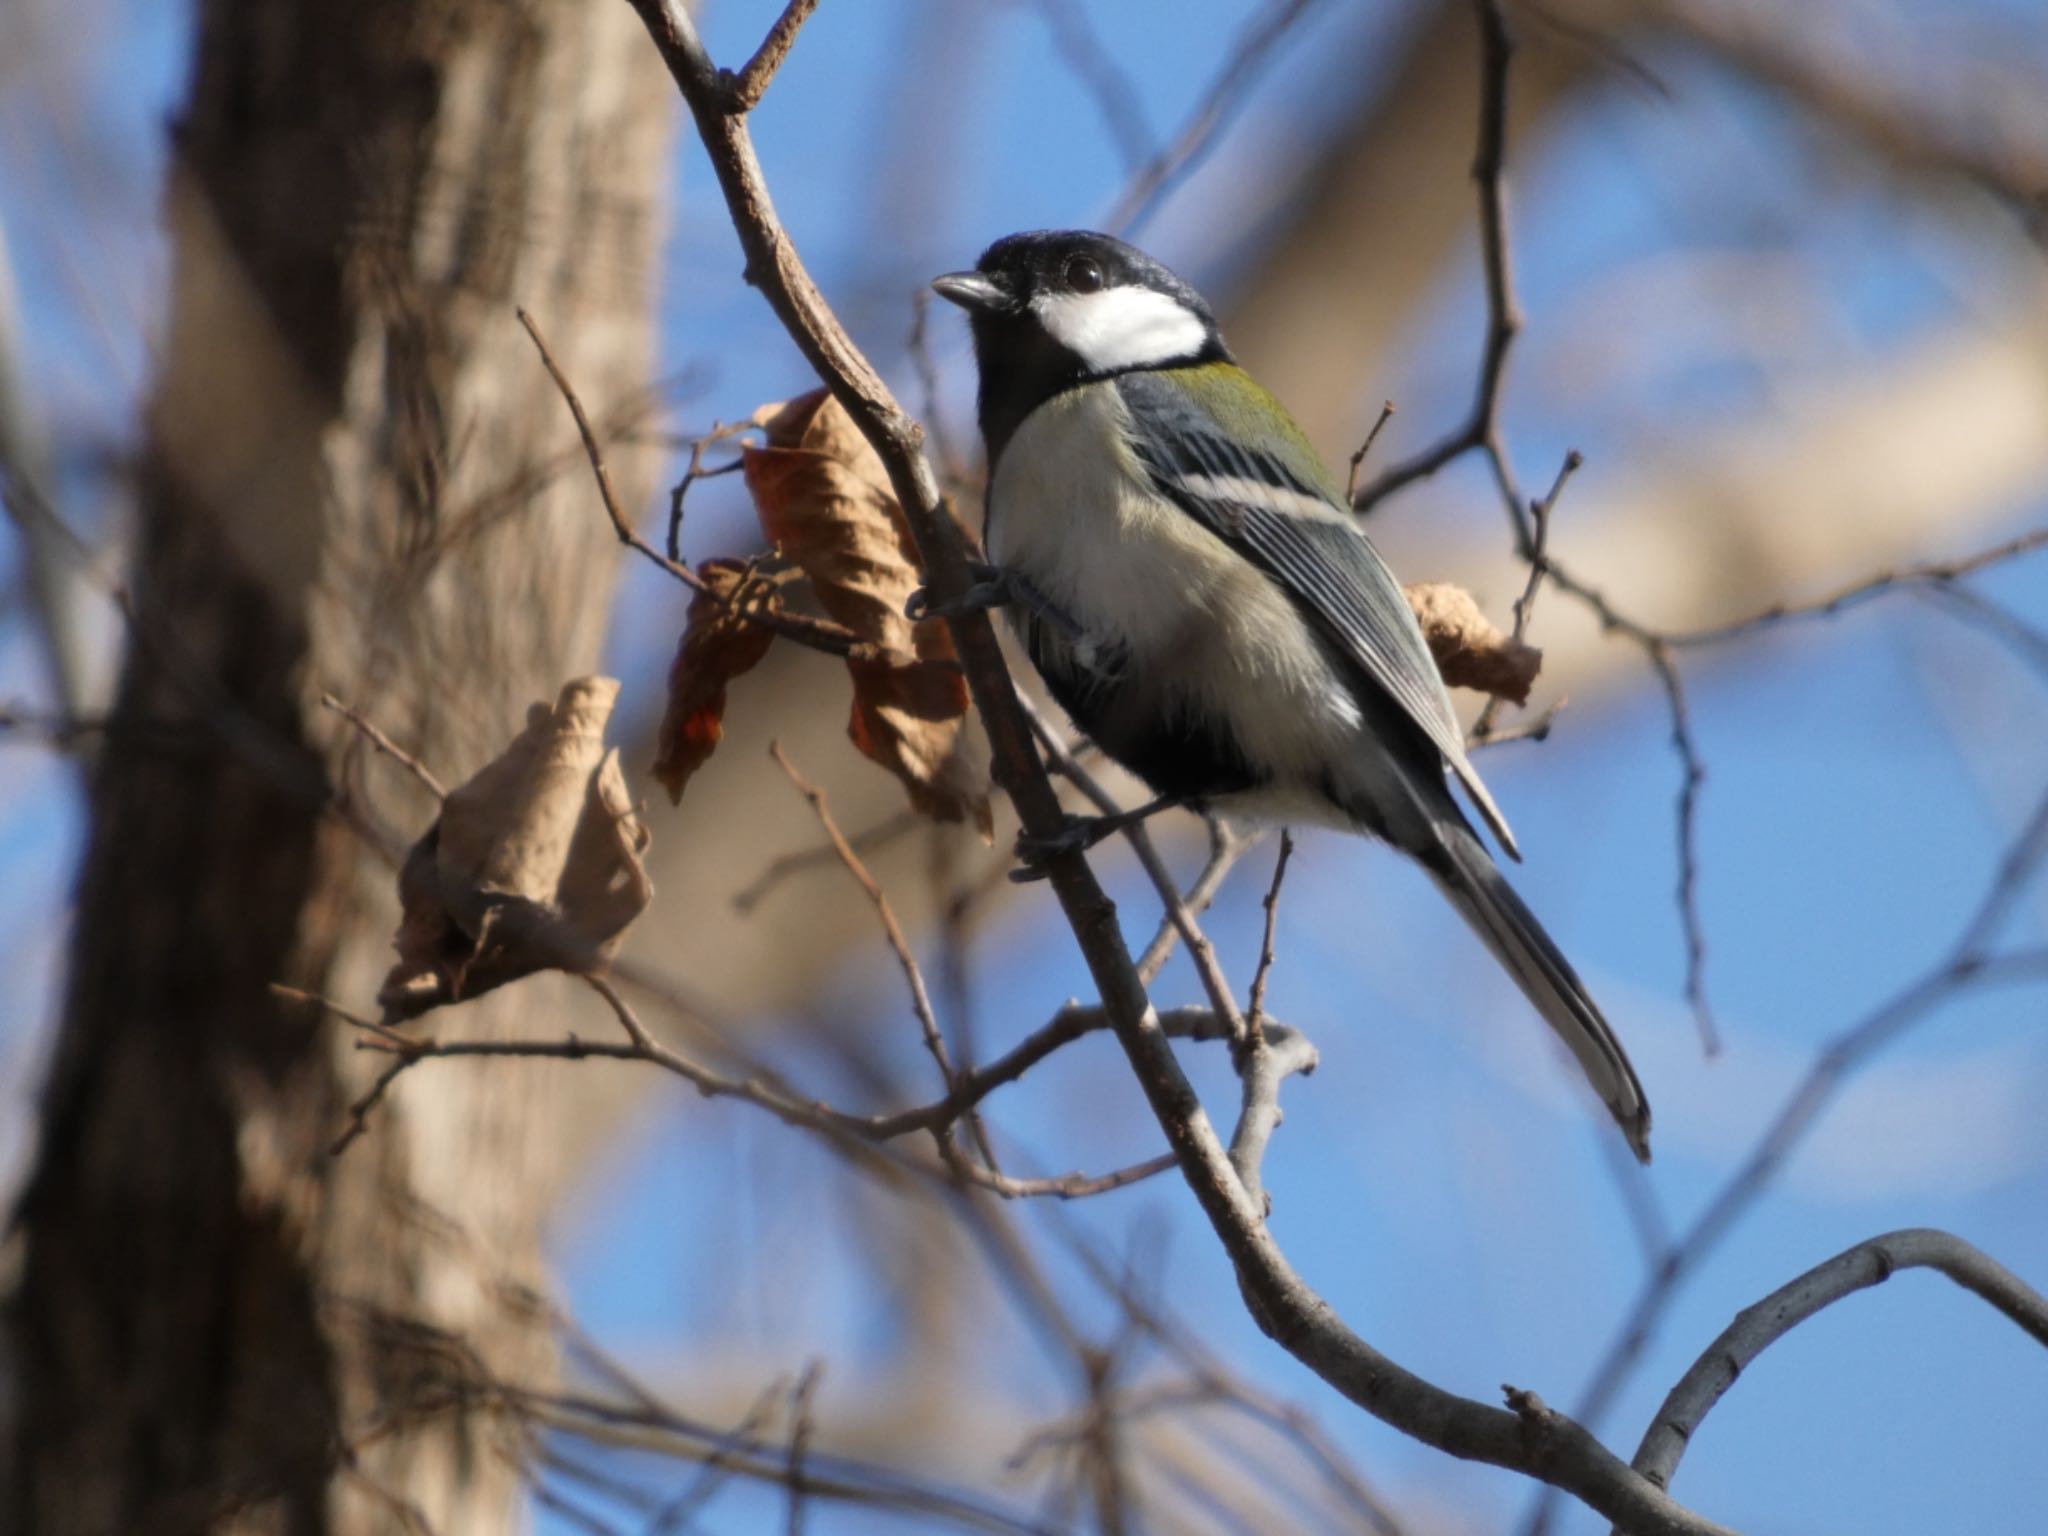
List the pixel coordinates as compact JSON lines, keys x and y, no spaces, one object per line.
{"x":719,"y":643}
{"x":825,"y":501}
{"x":533,"y":865}
{"x":1470,"y":652}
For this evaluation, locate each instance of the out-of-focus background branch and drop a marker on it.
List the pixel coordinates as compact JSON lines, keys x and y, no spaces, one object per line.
{"x":1782,"y":287}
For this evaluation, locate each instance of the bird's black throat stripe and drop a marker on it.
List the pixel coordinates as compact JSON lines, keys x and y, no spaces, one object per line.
{"x":1038,"y":369}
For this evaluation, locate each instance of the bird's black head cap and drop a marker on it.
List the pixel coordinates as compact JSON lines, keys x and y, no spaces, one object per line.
{"x":1055,"y":308}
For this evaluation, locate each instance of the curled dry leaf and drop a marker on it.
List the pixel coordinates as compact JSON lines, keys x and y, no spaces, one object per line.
{"x":824,"y":500}
{"x":1469,"y":651}
{"x":719,"y":643}
{"x":533,"y":865}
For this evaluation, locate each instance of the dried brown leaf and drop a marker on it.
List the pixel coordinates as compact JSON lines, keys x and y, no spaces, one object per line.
{"x":1470,"y":652}
{"x":533,"y":865}
{"x":825,"y":501}
{"x":719,"y":643}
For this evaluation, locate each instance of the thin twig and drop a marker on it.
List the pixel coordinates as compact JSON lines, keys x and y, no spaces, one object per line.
{"x":1757,"y":1327}
{"x":971,"y":1085}
{"x":1966,"y":967}
{"x":1219,"y":1384}
{"x":695,"y":471}
{"x":1357,"y":459}
{"x":1263,"y":1065}
{"x":869,"y":840}
{"x":1172,"y":165}
{"x":818,"y":634}
{"x":800,"y":1442}
{"x":1503,"y":311}
{"x":663,"y":1431}
{"x":55,"y":729}
{"x":1226,"y":847}
{"x":629,"y":1021}
{"x":743,"y":92}
{"x":1659,"y":649}
{"x":387,"y":746}
{"x":1066,"y":1186}
{"x":1693,"y":774}
{"x":1255,"y":1014}
{"x":1201,"y":952}
{"x":1933,"y":573}
{"x":2027,"y":642}
{"x":679,"y":1513}
{"x":1537,"y":729}
{"x":1539,"y":543}
{"x":1114,"y":92}
{"x":359,"y":1111}
{"x":899,"y":945}
{"x":1538,"y":555}
{"x":1692,"y":766}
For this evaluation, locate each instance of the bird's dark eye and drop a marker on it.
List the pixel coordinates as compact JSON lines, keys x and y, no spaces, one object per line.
{"x":1083,"y":274}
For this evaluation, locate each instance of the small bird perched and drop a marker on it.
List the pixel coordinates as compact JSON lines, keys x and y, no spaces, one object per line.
{"x":1198,"y":596}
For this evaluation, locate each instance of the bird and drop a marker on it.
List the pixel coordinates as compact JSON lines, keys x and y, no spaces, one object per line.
{"x":1195,"y":590}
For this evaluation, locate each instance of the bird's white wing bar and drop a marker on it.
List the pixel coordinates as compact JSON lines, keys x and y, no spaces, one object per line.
{"x":1249,"y":491}
{"x":1328,"y":565}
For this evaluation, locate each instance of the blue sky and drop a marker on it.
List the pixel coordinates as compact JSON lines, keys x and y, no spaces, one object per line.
{"x":1439,"y":1179}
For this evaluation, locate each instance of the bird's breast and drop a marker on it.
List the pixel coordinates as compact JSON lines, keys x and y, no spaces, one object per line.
{"x":1073,"y":509}
{"x":1194,"y":628}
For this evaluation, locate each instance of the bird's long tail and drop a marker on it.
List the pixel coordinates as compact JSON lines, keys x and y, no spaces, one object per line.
{"x":1466,"y":872}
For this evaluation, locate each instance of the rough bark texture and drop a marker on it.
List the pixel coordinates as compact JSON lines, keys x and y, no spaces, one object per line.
{"x":358,"y":479}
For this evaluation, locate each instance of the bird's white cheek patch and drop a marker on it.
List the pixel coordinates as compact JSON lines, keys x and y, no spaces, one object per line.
{"x":1126,"y":327}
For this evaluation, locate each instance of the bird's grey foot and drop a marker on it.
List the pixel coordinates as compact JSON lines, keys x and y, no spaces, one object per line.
{"x":995,"y":586}
{"x":1077,"y":834}
{"x":991,"y":589}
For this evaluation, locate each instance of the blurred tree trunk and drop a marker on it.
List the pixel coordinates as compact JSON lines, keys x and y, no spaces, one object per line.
{"x":358,"y":479}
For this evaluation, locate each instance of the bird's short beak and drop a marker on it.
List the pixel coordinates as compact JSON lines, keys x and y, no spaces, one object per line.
{"x":972,"y":290}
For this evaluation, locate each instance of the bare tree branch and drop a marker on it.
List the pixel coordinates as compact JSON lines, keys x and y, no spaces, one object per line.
{"x":1757,"y":1327}
{"x":1503,"y":311}
{"x":387,"y":746}
{"x":1267,"y":1060}
{"x":1226,"y":847}
{"x":1539,"y":544}
{"x":1548,"y":1447}
{"x":1934,"y":575}
{"x":745,"y":90}
{"x":1372,"y":436}
{"x":1201,"y":952}
{"x":694,"y":471}
{"x":1965,"y":968}
{"x":899,"y":945}
{"x":652,"y":1427}
{"x":1528,"y":520}
{"x":1255,"y":1014}
{"x":819,"y":634}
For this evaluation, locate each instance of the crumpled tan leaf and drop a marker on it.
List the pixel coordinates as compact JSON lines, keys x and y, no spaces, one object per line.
{"x":1470,"y":652}
{"x":533,"y":865}
{"x":719,"y":644}
{"x":824,"y":499}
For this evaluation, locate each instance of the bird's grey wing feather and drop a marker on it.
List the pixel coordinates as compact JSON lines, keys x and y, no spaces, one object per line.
{"x":1281,"y":516}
